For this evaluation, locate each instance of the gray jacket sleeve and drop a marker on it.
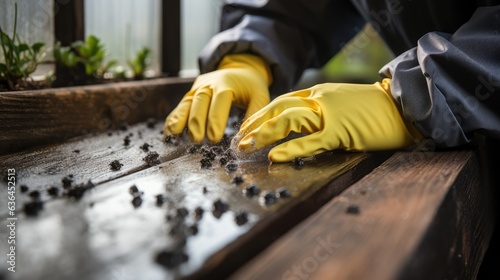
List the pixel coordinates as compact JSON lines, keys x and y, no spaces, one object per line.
{"x":289,"y":35}
{"x":449,"y":85}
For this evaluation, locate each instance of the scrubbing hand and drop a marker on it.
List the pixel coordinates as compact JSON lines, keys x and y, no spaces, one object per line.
{"x":334,"y":116}
{"x":240,"y":79}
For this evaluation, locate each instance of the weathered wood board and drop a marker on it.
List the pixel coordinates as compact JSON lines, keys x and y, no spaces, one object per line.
{"x":34,"y":118}
{"x":104,"y":236}
{"x":86,"y":158}
{"x":417,"y":216}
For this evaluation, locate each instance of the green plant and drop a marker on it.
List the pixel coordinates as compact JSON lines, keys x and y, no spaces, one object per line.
{"x":140,"y":63}
{"x":90,"y":53}
{"x":19,"y":58}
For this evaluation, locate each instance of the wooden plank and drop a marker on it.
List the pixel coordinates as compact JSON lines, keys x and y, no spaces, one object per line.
{"x":417,"y":216}
{"x":87,"y":158}
{"x":103,"y":235}
{"x":33,"y":118}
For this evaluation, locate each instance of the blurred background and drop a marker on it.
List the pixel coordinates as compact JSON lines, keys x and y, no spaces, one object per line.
{"x":125,"y":26}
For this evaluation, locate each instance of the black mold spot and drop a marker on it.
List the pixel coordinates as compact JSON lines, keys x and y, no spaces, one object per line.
{"x":238,"y":180}
{"x":193,"y":229}
{"x":231,"y":166}
{"x":283,"y":193}
{"x":24,"y":188}
{"x":193,"y":150}
{"x":126,"y":141}
{"x":145,"y":147}
{"x":171,"y":139}
{"x":251,"y":191}
{"x":152,"y":159}
{"x":171,"y":259}
{"x":241,"y":218}
{"x":159,"y":200}
{"x":219,"y":207}
{"x":67,"y":181}
{"x":182,"y":212}
{"x":223,"y":161}
{"x":269,"y":198}
{"x":229,"y":154}
{"x":137,"y":201}
{"x":34,"y":194}
{"x":205,"y":163}
{"x":76,"y":192}
{"x":115,"y":165}
{"x":151,"y":123}
{"x":199,"y":212}
{"x":53,"y":191}
{"x":353,"y":209}
{"x":133,"y":190}
{"x":33,"y":208}
{"x":298,"y":162}
{"x":208,"y":153}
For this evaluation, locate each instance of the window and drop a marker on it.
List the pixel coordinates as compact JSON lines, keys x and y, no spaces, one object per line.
{"x":124,"y":27}
{"x":199,"y":22}
{"x":35,"y":23}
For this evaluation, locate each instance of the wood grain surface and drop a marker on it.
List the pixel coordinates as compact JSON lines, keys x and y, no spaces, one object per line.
{"x":108,"y":235}
{"x":34,"y":118}
{"x":417,"y":216}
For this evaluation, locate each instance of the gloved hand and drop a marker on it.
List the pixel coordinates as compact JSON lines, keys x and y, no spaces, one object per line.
{"x":240,"y":79}
{"x":336,"y":116}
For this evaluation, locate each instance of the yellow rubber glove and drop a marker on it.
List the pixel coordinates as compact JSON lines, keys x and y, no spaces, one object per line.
{"x":240,"y":79}
{"x":335,"y":116}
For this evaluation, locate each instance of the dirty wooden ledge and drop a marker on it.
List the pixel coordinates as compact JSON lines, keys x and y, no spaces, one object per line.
{"x":429,"y":218}
{"x":38,"y":117}
{"x":104,"y":233}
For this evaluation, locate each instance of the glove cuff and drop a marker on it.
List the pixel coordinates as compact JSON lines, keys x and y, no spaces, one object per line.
{"x":410,"y":127}
{"x":247,"y":61}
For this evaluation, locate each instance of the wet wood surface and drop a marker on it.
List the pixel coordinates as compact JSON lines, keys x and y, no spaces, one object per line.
{"x":417,"y":216}
{"x":106,"y":232}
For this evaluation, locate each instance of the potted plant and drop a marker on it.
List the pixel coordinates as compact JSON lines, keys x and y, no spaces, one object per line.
{"x":20,"y":60}
{"x":88,"y":94}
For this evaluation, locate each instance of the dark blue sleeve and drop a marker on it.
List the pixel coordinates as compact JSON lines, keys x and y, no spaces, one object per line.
{"x":290,"y":35}
{"x":449,"y":85}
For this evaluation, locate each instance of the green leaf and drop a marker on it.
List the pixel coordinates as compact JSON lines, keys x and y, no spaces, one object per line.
{"x":6,"y":42}
{"x":22,"y":47}
{"x":80,"y":48}
{"x":92,"y":44}
{"x":36,"y":47}
{"x":71,"y":59}
{"x":111,"y":63}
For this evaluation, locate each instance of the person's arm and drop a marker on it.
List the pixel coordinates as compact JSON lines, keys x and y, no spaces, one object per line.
{"x":449,"y":85}
{"x":263,"y":48}
{"x":289,"y":35}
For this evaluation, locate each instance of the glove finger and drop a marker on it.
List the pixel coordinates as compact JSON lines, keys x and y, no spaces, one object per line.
{"x":257,"y":103}
{"x":305,"y":146}
{"x":297,"y":119}
{"x":273,"y":109}
{"x":178,"y":118}
{"x":218,"y":115}
{"x":278,"y":102}
{"x":197,"y":121}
